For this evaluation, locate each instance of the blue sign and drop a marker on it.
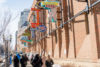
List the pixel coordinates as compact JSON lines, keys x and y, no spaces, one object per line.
{"x":24,"y":38}
{"x":33,"y":35}
{"x":33,"y":29}
{"x":42,"y":28}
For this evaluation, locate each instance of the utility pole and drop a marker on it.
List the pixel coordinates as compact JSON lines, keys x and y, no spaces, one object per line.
{"x":6,"y":43}
{"x":16,"y":39}
{"x":6,"y":51}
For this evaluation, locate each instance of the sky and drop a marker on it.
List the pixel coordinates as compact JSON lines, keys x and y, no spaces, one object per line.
{"x":14,"y":7}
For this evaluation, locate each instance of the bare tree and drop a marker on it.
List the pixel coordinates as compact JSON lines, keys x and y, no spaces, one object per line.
{"x":4,"y":32}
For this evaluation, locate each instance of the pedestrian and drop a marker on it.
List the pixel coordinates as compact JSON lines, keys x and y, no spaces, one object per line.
{"x":22,"y":61}
{"x":18,"y":55}
{"x":49,"y":62}
{"x":37,"y":61}
{"x":26,"y":59}
{"x":11,"y":59}
{"x":16,"y":61}
{"x":32,"y":57}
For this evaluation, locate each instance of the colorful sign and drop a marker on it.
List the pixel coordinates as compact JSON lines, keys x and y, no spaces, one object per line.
{"x":33,"y":35}
{"x":42,"y":28}
{"x":52,"y":15}
{"x":34,"y":25}
{"x":24,"y":38}
{"x":48,"y":4}
{"x":37,"y":10}
{"x":34,"y":29}
{"x":27,"y":41}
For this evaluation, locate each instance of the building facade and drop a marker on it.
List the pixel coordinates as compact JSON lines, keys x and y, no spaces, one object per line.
{"x":76,"y":40}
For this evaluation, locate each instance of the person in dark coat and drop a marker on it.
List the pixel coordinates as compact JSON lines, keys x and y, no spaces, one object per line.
{"x":22,"y":61}
{"x":26,"y":59}
{"x":49,"y":62}
{"x":37,"y":61}
{"x":16,"y":61}
{"x":32,"y":60}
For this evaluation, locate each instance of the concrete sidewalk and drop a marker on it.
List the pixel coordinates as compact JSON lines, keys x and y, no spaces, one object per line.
{"x":28,"y":65}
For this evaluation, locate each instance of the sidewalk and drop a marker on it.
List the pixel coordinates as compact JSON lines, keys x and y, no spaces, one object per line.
{"x":29,"y":65}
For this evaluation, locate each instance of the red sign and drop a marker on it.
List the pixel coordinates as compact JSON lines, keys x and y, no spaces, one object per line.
{"x":37,"y":10}
{"x":34,"y":25}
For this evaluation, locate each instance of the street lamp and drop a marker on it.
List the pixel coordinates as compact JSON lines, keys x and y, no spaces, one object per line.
{"x":16,"y":39}
{"x":7,"y":42}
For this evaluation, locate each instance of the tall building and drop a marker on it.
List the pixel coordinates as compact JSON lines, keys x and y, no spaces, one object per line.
{"x":23,"y":18}
{"x":22,"y":25}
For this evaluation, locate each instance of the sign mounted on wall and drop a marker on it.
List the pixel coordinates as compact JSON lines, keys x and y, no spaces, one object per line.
{"x":25,"y":39}
{"x":33,"y":34}
{"x":37,"y":11}
{"x":42,"y":28}
{"x":35,"y":25}
{"x":52,"y":15}
{"x":34,"y":29}
{"x":47,"y":4}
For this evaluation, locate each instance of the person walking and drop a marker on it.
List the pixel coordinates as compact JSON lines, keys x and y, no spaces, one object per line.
{"x":32,"y":58}
{"x":22,"y":61}
{"x":10,"y":59}
{"x":26,"y":59}
{"x":16,"y":61}
{"x":37,"y":61}
{"x":49,"y":62}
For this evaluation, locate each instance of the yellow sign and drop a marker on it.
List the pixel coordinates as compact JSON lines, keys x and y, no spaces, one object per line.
{"x":50,"y":3}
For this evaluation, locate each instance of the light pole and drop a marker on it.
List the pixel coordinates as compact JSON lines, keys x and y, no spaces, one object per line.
{"x":7,"y":42}
{"x":16,"y":40}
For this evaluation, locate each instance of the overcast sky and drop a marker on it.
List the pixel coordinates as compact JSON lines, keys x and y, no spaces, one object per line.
{"x":15,"y":7}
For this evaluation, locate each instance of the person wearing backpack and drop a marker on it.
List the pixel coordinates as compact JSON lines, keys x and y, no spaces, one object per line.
{"x":49,"y":62}
{"x":37,"y":61}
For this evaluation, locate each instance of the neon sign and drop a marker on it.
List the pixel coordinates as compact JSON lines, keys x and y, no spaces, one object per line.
{"x":52,"y":15}
{"x":42,"y":28}
{"x":48,"y":4}
{"x":37,"y":10}
{"x":34,"y":25}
